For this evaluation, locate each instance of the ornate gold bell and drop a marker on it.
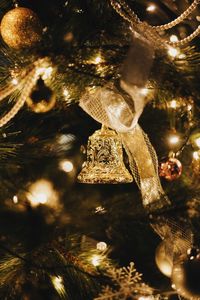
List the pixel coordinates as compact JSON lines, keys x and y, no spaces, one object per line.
{"x":104,"y":159}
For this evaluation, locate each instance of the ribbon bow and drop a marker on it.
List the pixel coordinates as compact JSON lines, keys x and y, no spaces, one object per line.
{"x":107,"y":106}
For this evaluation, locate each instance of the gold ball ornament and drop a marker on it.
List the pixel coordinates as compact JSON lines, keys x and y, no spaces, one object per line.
{"x":186,"y":276}
{"x":42,"y":99}
{"x":163,"y":260}
{"x":21,"y":28}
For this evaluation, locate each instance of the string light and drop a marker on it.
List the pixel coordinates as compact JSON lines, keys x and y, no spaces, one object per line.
{"x":45,"y":71}
{"x":151,"y":7}
{"x":66,"y":165}
{"x":42,"y":192}
{"x":98,"y":60}
{"x":101,"y":246}
{"x":182,"y":56}
{"x":173,"y":38}
{"x":173,"y":52}
{"x":15,"y":199}
{"x":96,"y":260}
{"x":196,"y":155}
{"x":174,"y":139}
{"x":144,"y":91}
{"x":66,"y":93}
{"x":15,"y":81}
{"x":197,"y":142}
{"x":173,"y":104}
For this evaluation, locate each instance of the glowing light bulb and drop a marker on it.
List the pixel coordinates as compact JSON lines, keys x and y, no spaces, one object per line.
{"x":15,"y":81}
{"x":42,"y":192}
{"x":182,"y":56}
{"x":102,"y":246}
{"x":97,"y":60}
{"x":173,"y":104}
{"x":151,"y":7}
{"x":197,"y":142}
{"x":144,"y":91}
{"x":174,"y":139}
{"x":96,"y":260}
{"x":45,"y":72}
{"x":65,"y":93}
{"x":173,"y":52}
{"x":15,"y":199}
{"x":173,"y":38}
{"x":196,"y":155}
{"x":189,"y":107}
{"x":67,"y":166}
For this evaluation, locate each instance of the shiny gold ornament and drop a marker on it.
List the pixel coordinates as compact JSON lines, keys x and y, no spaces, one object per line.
{"x":104,"y":159}
{"x":164,"y":260}
{"x":42,"y":99}
{"x":186,"y":275}
{"x":21,"y":28}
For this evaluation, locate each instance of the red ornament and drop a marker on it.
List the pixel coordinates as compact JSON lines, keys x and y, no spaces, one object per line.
{"x":171,"y":169}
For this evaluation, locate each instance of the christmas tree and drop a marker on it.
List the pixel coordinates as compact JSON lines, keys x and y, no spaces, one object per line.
{"x":99,"y":149}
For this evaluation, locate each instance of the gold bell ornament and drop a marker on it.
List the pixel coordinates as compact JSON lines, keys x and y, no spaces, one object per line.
{"x":104,"y":159}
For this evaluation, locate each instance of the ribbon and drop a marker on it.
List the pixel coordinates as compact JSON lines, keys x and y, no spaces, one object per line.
{"x":121,"y":113}
{"x":115,"y":110}
{"x":110,"y":109}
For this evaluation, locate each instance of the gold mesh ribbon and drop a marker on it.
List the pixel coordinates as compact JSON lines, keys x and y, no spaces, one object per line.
{"x":110,"y":108}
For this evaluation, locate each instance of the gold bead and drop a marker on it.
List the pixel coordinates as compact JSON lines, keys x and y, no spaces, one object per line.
{"x":21,"y":28}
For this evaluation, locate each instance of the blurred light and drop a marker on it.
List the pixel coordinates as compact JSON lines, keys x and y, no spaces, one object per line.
{"x":197,"y":142}
{"x":66,"y":166}
{"x":144,"y":91}
{"x":173,"y":52}
{"x":173,"y":286}
{"x":15,"y":199}
{"x":46,"y":72}
{"x":182,"y":56}
{"x":96,"y":260}
{"x":174,"y":139}
{"x":14,"y":81}
{"x":42,"y":192}
{"x":173,"y":38}
{"x":189,"y":107}
{"x":64,"y":139}
{"x":102,"y":246}
{"x":66,"y":93}
{"x":151,"y":7}
{"x":57,"y":282}
{"x":173,"y":104}
{"x":97,"y":60}
{"x":196,"y":155}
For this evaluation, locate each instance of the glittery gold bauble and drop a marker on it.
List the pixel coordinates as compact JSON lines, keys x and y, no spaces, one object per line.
{"x":164,"y":259}
{"x":21,"y":28}
{"x":42,"y":98}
